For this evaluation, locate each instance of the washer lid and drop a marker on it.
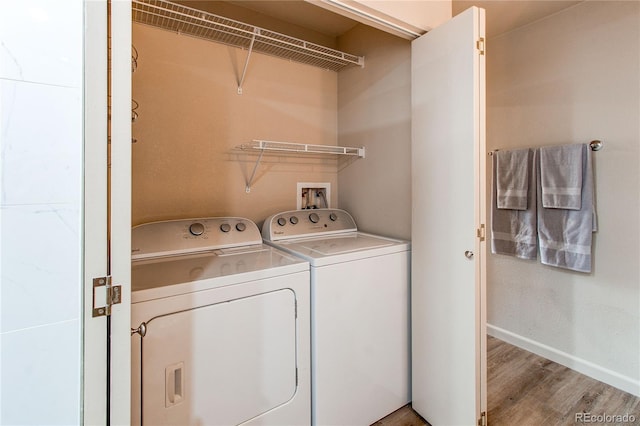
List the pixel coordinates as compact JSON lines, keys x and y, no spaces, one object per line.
{"x":170,"y":275}
{"x":342,"y":247}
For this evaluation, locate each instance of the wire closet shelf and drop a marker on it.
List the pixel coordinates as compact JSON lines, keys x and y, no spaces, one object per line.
{"x":295,"y":148}
{"x":302,"y":148}
{"x":196,"y":23}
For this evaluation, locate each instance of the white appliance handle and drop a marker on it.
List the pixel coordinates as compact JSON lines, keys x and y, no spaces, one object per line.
{"x":174,"y":384}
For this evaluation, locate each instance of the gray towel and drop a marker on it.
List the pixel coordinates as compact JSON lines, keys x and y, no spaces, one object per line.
{"x":512,"y":178}
{"x":513,"y":232}
{"x":561,"y":176}
{"x":565,"y":235}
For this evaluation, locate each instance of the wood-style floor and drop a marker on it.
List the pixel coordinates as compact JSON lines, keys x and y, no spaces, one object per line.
{"x":527,"y":390}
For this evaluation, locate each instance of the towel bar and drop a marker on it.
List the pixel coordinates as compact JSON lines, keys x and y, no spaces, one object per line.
{"x":595,"y":145}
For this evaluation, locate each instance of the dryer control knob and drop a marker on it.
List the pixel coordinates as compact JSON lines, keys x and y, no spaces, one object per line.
{"x":293,"y":220}
{"x":240,"y":226}
{"x":333,"y":217}
{"x":282,"y":221}
{"x":196,"y":229}
{"x":314,"y":218}
{"x":225,"y":227}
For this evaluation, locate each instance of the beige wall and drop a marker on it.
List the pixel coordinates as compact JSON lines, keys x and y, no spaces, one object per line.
{"x":374,"y":111}
{"x":569,"y":78}
{"x":191,"y":119}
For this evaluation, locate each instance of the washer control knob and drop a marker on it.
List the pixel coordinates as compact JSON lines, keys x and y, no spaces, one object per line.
{"x":282,"y":221}
{"x":314,"y":218}
{"x":240,"y":226}
{"x":225,"y":227}
{"x":196,"y":229}
{"x":293,"y":220}
{"x":333,"y":217}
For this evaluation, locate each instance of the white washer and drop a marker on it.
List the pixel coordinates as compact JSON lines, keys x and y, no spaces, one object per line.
{"x":360,"y":332}
{"x":220,"y":326}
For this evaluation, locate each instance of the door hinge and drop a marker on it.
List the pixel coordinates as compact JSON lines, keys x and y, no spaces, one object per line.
{"x":112,"y":296}
{"x":482,"y":421}
{"x":480,"y":45}
{"x":480,"y":232}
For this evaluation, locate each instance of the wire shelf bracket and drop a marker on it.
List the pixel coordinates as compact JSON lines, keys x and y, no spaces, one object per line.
{"x":296,"y":148}
{"x":204,"y":25}
{"x":246,"y":64}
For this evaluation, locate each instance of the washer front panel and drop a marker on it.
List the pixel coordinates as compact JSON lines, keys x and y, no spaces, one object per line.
{"x":220,"y":364}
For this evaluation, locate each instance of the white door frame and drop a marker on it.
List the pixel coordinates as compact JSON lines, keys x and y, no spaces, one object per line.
{"x":94,"y":343}
{"x":97,"y":201}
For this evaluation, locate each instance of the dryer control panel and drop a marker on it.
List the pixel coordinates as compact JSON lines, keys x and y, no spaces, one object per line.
{"x":181,"y":236}
{"x":305,"y":223}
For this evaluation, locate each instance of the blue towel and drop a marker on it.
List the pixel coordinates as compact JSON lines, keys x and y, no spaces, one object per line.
{"x":565,"y":235}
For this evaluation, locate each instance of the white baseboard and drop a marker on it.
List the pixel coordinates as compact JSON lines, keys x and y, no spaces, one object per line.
{"x":587,"y":368}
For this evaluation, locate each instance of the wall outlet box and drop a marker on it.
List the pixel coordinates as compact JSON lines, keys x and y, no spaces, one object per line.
{"x":313,"y":195}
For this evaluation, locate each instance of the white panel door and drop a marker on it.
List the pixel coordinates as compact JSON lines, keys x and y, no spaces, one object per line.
{"x":94,"y":377}
{"x":120,"y":211}
{"x":448,"y":354}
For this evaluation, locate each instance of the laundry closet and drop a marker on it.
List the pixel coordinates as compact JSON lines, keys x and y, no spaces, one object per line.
{"x":203,"y":168}
{"x":200,"y":109}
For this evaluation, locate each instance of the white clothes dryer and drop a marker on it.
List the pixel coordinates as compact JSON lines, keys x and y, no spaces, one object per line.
{"x":360,"y":333}
{"x":220,"y":326}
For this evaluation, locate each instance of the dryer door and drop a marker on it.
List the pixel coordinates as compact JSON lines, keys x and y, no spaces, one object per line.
{"x":221,"y":364}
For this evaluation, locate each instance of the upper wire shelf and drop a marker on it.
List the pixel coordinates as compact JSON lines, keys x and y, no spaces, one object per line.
{"x":185,"y":20}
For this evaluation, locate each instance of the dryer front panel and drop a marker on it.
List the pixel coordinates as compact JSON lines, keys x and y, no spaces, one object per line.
{"x":220,"y":364}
